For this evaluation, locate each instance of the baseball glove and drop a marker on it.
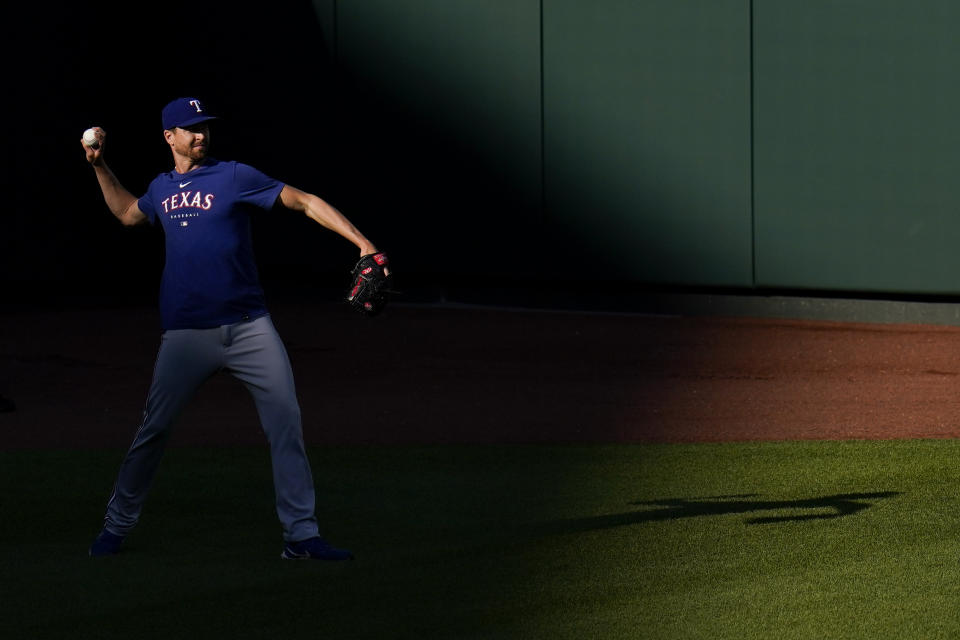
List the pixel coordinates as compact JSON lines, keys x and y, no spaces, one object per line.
{"x":370,"y":285}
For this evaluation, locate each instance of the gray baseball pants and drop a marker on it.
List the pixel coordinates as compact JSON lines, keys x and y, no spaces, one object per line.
{"x":253,"y":353}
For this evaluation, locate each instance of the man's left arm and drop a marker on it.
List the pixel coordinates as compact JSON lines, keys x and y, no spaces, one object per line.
{"x":326,"y":215}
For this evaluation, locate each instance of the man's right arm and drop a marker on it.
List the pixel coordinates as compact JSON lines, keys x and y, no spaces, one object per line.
{"x":121,"y":202}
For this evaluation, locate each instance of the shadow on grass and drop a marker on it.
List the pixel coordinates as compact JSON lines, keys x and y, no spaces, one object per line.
{"x":823,"y":508}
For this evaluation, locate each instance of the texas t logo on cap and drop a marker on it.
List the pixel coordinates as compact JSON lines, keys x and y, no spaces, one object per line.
{"x":184,"y":112}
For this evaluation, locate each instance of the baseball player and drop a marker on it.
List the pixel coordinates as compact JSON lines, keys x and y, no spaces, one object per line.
{"x":214,"y":317}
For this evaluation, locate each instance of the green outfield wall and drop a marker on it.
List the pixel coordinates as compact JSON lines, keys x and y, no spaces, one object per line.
{"x":775,"y":144}
{"x":856,"y":153}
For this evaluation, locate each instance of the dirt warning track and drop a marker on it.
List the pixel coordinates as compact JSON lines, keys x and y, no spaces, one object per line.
{"x":440,"y":374}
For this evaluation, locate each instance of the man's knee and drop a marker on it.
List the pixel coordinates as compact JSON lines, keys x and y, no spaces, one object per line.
{"x":281,"y":419}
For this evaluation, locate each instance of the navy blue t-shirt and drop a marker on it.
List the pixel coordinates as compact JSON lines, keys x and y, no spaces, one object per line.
{"x":210,"y":276}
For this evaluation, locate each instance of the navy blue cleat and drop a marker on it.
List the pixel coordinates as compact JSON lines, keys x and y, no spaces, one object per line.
{"x":314,"y":549}
{"x":106,"y":544}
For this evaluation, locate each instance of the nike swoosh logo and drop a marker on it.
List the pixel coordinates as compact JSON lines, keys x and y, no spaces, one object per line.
{"x":183,"y":184}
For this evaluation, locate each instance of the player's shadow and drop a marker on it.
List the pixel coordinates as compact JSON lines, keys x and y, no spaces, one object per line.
{"x":822,"y":508}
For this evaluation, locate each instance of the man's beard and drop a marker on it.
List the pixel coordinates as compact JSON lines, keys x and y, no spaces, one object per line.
{"x":194,"y":152}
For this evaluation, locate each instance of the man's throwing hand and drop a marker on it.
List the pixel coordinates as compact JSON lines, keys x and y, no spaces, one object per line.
{"x":93,"y":148}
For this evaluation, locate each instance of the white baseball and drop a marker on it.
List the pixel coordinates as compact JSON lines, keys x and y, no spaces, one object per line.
{"x":90,"y":138}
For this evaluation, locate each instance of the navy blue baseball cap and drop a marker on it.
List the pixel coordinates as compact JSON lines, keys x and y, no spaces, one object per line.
{"x":184,"y":112}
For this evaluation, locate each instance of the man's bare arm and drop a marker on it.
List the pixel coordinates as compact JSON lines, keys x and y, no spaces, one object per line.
{"x":326,"y":215}
{"x":121,"y":202}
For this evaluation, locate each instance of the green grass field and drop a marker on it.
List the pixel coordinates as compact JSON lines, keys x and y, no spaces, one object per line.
{"x":789,"y":540}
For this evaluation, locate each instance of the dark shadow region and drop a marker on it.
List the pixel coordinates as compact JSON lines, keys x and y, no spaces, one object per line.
{"x":771,"y":511}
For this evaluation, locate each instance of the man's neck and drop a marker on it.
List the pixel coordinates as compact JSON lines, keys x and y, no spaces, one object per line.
{"x":186,"y":165}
